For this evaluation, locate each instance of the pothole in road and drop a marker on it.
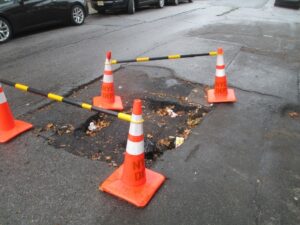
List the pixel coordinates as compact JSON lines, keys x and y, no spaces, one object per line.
{"x":171,"y":109}
{"x":167,"y":125}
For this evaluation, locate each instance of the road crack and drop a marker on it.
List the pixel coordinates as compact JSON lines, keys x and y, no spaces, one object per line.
{"x":229,"y":11}
{"x":257,"y":92}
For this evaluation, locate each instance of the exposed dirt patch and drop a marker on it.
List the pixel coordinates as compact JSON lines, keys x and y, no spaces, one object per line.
{"x":169,"y":112}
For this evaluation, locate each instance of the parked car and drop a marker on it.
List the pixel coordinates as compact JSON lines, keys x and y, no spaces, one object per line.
{"x":176,"y":2}
{"x":293,"y":4}
{"x":129,"y":5}
{"x":21,"y":15}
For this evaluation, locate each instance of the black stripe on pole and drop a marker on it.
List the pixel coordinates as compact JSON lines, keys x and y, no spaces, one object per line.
{"x":38,"y":92}
{"x":194,"y":55}
{"x":65,"y":100}
{"x":7,"y":82}
{"x":160,"y":58}
{"x":110,"y":112}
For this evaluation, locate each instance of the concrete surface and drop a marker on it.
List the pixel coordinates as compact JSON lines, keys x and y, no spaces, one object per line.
{"x":240,"y":166}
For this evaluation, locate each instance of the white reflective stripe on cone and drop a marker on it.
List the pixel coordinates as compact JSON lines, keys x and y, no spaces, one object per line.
{"x":107,"y":66}
{"x":2,"y":98}
{"x":136,"y":129}
{"x":220,"y":72}
{"x":108,"y":79}
{"x":135,"y":148}
{"x":220,"y":60}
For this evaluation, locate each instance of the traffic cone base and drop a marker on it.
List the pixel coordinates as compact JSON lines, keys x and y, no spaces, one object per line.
{"x":100,"y":102}
{"x":137,"y":195}
{"x":213,"y":98}
{"x":19,"y":127}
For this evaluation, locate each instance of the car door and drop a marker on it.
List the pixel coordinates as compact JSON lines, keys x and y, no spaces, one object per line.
{"x":145,"y":2}
{"x":60,"y":10}
{"x":32,"y":13}
{"x":13,"y":11}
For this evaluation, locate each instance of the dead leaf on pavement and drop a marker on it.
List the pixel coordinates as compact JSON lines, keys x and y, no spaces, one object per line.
{"x":192,"y":122}
{"x":186,"y":133}
{"x":49,"y":126}
{"x":293,"y":114}
{"x":96,"y":156}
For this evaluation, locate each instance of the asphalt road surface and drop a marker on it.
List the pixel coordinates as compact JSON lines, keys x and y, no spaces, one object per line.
{"x":240,"y":166}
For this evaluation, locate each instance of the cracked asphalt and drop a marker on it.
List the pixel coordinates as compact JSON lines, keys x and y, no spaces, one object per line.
{"x":239,"y":166}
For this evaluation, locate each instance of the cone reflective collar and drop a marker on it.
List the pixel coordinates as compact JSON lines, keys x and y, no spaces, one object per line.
{"x":108,"y":99}
{"x":220,"y":93}
{"x":9,"y":127}
{"x":132,"y":181}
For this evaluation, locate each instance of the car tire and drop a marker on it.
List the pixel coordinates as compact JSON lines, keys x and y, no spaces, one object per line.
{"x":5,"y":30}
{"x":131,"y":7}
{"x":77,"y":15}
{"x":161,"y":3}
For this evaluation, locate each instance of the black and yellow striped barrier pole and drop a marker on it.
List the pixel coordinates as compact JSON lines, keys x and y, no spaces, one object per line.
{"x":147,"y":59}
{"x":58,"y":98}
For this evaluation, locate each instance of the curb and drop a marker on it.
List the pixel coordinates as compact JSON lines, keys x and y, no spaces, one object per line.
{"x":91,"y":10}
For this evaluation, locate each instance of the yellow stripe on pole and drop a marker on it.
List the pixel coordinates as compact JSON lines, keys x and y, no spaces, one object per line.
{"x":86,"y":106}
{"x":142,"y":59}
{"x":124,"y":116}
{"x":55,"y":97}
{"x":174,"y":56}
{"x":113,"y":61}
{"x":21,"y":87}
{"x":212,"y":53}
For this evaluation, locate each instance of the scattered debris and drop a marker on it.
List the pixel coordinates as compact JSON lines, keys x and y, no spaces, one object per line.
{"x":149,"y":136}
{"x":294,"y":114}
{"x":108,"y":158}
{"x":60,"y":130}
{"x":172,"y":113}
{"x":65,"y":129}
{"x":186,"y":133}
{"x":166,"y":143}
{"x":179,"y":141}
{"x":192,"y":122}
{"x":96,"y":156}
{"x":167,"y":126}
{"x":167,"y":111}
{"x":95,"y":126}
{"x":49,"y":126}
{"x":162,"y":112}
{"x":92,"y":126}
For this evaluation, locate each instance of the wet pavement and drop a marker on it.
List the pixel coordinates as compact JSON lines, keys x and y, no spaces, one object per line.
{"x":170,"y":110}
{"x":239,"y":166}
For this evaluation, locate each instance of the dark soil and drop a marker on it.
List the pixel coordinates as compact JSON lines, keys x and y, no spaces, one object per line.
{"x":167,"y":110}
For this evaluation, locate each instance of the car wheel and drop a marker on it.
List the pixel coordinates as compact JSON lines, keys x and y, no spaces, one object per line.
{"x":131,"y":7}
{"x":77,"y":15}
{"x":175,"y":2}
{"x":5,"y":30}
{"x":161,"y":3}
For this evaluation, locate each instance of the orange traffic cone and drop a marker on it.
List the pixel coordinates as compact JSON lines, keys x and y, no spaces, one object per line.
{"x":132,"y":181}
{"x":9,"y":127}
{"x":221,"y":93}
{"x":108,"y":99}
